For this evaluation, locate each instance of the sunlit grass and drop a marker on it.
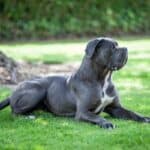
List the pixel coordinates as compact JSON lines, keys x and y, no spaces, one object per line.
{"x":51,"y":132}
{"x":60,"y":52}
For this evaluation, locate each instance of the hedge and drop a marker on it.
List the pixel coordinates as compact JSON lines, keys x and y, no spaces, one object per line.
{"x":60,"y":18}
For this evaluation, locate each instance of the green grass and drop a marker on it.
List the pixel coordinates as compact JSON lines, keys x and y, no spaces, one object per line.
{"x":65,"y":51}
{"x":51,"y":132}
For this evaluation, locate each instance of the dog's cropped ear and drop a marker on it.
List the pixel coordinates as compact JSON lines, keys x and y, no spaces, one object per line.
{"x":91,"y":46}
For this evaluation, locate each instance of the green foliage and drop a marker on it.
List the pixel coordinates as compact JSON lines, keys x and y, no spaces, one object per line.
{"x":36,"y":18}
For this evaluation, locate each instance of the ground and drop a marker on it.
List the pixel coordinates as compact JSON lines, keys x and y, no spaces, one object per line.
{"x":28,"y":70}
{"x":50,"y":132}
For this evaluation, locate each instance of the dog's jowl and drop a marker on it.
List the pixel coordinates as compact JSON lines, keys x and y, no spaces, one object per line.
{"x":84,"y":94}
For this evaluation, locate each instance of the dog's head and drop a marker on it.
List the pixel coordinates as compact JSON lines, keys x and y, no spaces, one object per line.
{"x":106,"y":53}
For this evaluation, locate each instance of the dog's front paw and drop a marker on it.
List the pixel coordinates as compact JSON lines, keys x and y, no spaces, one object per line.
{"x":146,"y":119}
{"x":107,"y":125}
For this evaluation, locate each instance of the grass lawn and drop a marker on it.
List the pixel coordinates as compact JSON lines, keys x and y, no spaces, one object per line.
{"x":50,"y":132}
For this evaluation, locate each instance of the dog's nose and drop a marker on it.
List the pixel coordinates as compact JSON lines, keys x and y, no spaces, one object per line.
{"x":125,"y":55}
{"x":125,"y":49}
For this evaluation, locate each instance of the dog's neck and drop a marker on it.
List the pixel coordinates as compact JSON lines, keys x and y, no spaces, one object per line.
{"x":89,"y":71}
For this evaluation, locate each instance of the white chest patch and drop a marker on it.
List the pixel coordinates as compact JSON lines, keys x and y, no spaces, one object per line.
{"x":105,"y":99}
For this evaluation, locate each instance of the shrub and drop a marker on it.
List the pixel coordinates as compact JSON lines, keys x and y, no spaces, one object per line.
{"x":45,"y":18}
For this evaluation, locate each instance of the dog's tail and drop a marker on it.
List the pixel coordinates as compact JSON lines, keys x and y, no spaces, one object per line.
{"x":4,"y":103}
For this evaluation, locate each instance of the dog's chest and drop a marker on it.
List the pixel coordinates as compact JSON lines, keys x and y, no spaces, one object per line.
{"x":105,"y":99}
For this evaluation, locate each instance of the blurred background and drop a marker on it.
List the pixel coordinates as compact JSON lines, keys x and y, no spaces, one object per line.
{"x":49,"y":36}
{"x":29,"y":19}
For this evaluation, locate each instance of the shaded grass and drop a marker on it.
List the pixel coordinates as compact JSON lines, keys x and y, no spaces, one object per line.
{"x":51,"y":132}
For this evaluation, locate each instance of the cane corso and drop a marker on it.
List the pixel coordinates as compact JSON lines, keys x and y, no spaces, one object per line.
{"x":84,"y":94}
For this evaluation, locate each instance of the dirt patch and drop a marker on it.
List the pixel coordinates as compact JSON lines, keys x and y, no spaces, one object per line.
{"x":27,"y":70}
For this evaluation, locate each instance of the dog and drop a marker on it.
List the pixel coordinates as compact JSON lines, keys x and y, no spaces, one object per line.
{"x":84,"y":94}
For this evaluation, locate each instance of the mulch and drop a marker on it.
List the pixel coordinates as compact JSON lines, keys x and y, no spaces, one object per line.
{"x":27,"y":70}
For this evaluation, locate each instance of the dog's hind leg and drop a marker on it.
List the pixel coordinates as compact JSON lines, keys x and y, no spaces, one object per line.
{"x":26,"y":101}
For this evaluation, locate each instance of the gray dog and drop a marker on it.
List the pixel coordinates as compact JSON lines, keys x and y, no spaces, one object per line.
{"x":83,"y":95}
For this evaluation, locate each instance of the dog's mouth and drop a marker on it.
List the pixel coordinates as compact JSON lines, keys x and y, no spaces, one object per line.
{"x":118,"y":59}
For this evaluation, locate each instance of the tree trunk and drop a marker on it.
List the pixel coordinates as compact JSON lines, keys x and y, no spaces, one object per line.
{"x":8,"y":69}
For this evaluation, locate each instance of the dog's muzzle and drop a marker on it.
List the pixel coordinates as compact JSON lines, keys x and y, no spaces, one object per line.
{"x":118,"y":59}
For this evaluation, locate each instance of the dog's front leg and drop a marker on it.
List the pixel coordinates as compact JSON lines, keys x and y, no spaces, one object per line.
{"x":84,"y":115}
{"x":123,"y":113}
{"x":95,"y":119}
